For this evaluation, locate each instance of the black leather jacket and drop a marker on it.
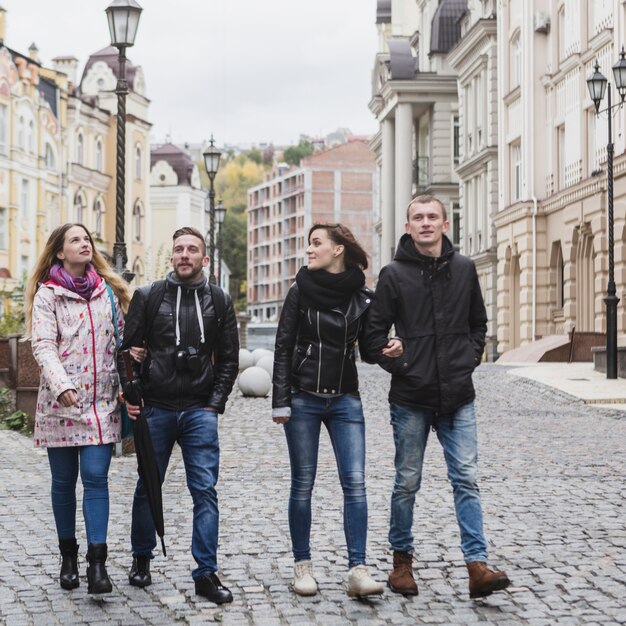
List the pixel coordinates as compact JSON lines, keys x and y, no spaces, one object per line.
{"x":163,"y":385}
{"x":315,"y":349}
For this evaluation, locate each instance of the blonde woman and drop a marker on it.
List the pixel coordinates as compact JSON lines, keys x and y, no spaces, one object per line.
{"x":69,"y":318}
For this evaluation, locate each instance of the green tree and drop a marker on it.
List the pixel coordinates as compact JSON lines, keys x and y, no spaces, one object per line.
{"x":12,"y":319}
{"x":235,"y":246}
{"x":294,"y":154}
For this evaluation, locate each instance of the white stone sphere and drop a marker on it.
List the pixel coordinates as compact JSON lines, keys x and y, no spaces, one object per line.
{"x":255,"y":381}
{"x":260,"y":353}
{"x":245,"y":359}
{"x":267,"y":363}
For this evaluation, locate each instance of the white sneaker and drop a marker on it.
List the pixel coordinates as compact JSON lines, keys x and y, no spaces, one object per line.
{"x":303,"y":582}
{"x":360,"y":583}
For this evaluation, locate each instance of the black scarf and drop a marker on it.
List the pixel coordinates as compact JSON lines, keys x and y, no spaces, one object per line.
{"x":322,"y":290}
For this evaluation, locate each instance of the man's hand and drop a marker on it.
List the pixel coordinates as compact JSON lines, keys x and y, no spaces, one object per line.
{"x":393,"y":349}
{"x":133,"y":410}
{"x":68,"y":398}
{"x":138,"y":354}
{"x":283,"y":419}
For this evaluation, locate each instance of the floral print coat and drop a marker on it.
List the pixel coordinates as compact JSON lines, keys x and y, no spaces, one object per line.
{"x":74,"y":343}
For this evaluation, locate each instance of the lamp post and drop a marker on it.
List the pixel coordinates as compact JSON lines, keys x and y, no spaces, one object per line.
{"x":123,"y":17}
{"x":220,"y":214}
{"x":211,"y":163}
{"x":597,"y":85}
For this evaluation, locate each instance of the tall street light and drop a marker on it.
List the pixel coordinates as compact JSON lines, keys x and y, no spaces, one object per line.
{"x":211,"y":163}
{"x":123,"y":17}
{"x":220,"y":214}
{"x":597,"y":85}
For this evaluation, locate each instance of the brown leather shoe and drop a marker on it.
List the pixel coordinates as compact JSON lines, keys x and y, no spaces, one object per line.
{"x":401,"y":578}
{"x":484,"y":581}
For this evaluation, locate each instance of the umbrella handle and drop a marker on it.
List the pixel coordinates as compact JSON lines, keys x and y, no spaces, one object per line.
{"x":128,"y":364}
{"x":163,"y":546}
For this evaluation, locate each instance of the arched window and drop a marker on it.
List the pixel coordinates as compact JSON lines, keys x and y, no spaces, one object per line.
{"x":50,"y":160}
{"x":98,"y":214}
{"x":137,"y":221}
{"x":20,"y":132}
{"x":99,"y":155}
{"x":31,"y":137}
{"x":139,"y":271}
{"x":80,"y":204}
{"x":79,"y":149}
{"x":138,"y":162}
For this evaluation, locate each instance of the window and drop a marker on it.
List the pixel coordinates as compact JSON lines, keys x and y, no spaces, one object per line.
{"x":456,"y":139}
{"x":98,"y":213}
{"x":456,"y":224}
{"x":50,"y":160}
{"x":79,"y":149}
{"x":31,"y":137}
{"x":3,"y":229}
{"x":561,"y":156}
{"x":138,"y":163}
{"x":562,"y":34}
{"x":99,"y":155}
{"x":516,"y":61}
{"x":3,"y":129}
{"x":516,"y":172}
{"x":80,"y":204}
{"x":20,"y":132}
{"x":137,"y":221}
{"x":25,"y":199}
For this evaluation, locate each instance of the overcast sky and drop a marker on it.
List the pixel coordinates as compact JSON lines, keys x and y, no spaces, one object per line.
{"x":248,"y":71}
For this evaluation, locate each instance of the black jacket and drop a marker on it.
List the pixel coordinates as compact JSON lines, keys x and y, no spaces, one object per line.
{"x":163,"y":385}
{"x":438,"y":311}
{"x":315,"y":349}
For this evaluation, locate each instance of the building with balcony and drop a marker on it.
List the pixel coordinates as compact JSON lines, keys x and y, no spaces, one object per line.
{"x":414,"y":99}
{"x":337,"y":185}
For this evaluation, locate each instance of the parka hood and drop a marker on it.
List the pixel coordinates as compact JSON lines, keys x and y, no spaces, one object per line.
{"x":406,"y":251}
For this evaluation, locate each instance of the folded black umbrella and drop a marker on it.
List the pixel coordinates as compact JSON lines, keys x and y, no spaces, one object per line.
{"x":147,"y":465}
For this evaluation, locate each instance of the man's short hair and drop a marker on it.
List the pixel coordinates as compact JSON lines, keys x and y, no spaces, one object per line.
{"x":190,"y":230}
{"x":427,"y":199}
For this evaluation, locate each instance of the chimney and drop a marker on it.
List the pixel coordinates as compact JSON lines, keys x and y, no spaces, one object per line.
{"x":3,"y":24}
{"x":68,"y":66}
{"x":33,"y":52}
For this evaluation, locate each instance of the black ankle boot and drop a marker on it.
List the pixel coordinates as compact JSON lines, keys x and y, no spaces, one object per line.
{"x":69,"y":563}
{"x":98,"y":580}
{"x":139,"y":575}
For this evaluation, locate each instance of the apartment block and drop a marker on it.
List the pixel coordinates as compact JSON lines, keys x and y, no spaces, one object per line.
{"x":336,"y":185}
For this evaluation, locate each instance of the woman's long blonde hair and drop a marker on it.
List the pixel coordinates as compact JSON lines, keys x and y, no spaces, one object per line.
{"x":48,"y":258}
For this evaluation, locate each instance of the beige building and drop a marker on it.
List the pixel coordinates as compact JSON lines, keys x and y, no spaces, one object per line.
{"x":337,"y":185}
{"x":58,"y":155}
{"x":551,"y":225}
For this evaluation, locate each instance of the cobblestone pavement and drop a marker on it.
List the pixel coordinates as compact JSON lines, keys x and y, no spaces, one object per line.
{"x":551,"y":475}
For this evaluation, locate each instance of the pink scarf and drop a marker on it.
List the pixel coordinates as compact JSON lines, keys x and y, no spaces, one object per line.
{"x":82,"y":285}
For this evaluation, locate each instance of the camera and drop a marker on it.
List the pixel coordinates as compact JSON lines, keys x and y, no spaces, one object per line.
{"x":188,"y":359}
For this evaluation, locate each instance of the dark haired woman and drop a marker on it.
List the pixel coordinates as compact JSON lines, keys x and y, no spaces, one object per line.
{"x":315,"y":382}
{"x":69,"y":313}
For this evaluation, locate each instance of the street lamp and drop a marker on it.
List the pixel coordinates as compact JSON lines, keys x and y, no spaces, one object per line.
{"x":123,"y":17}
{"x":211,"y":163}
{"x":220,"y":214}
{"x":597,"y":85}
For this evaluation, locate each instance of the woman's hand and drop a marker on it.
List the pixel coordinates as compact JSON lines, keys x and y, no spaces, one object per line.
{"x":68,"y":398}
{"x":393,"y":349}
{"x":139,"y":354}
{"x":283,"y":419}
{"x":132,"y":409}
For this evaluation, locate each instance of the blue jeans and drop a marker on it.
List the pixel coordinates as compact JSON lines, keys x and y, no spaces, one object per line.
{"x":343,"y":418}
{"x":196,"y":432}
{"x":93,"y":462}
{"x":460,"y":448}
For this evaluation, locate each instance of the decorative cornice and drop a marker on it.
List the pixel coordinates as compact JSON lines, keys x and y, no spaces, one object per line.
{"x":484,"y":31}
{"x":475,"y":163}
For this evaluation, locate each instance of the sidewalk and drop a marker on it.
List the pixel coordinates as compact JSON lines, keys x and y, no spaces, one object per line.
{"x":576,"y":379}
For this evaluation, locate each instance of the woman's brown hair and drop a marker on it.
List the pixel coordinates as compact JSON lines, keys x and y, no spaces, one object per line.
{"x":48,"y":258}
{"x":341,"y":235}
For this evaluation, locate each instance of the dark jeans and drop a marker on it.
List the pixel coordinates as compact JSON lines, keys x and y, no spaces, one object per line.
{"x":196,"y":432}
{"x":93,"y":462}
{"x":343,"y":418}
